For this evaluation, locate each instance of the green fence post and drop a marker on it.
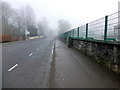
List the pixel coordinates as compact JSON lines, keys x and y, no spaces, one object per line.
{"x":70,"y":33}
{"x":86,"y":30}
{"x":73,"y":33}
{"x":66,"y":34}
{"x":105,"y":31}
{"x":78,"y":32}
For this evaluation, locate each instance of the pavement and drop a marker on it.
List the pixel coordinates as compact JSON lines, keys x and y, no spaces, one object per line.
{"x":71,"y":69}
{"x":26,"y":64}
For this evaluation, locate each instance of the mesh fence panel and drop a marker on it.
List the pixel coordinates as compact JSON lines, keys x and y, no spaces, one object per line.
{"x":75,"y":32}
{"x":96,"y":29}
{"x":106,"y":28}
{"x":112,"y":30}
{"x":82,"y":31}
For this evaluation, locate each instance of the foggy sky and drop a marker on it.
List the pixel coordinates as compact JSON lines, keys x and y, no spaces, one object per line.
{"x":77,"y":12}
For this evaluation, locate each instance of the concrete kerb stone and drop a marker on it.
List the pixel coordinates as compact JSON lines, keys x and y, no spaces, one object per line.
{"x":52,"y":56}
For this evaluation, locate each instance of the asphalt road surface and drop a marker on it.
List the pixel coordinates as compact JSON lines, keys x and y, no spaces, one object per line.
{"x":26,"y":64}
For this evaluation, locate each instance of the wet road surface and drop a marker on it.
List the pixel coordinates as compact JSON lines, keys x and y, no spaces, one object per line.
{"x":26,"y":64}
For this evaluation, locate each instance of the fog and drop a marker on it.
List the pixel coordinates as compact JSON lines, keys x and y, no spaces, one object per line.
{"x":58,"y":16}
{"x":76,"y":12}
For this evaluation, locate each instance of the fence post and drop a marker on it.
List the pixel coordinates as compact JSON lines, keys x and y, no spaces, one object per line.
{"x":86,"y":30}
{"x":78,"y":33}
{"x":69,"y":34}
{"x":73,"y":33}
{"x":105,"y":31}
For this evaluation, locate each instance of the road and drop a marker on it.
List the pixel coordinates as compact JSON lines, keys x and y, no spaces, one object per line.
{"x":26,"y":64}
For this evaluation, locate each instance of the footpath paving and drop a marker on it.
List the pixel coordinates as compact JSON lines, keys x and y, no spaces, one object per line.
{"x":71,"y":69}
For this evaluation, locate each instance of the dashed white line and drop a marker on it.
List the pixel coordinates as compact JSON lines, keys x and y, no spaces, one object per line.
{"x":41,"y":36}
{"x":37,"y":49}
{"x":12,"y":67}
{"x":11,"y":50}
{"x":5,"y":43}
{"x":30,"y":54}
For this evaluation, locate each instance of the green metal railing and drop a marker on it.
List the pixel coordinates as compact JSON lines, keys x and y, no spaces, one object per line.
{"x":105,"y":29}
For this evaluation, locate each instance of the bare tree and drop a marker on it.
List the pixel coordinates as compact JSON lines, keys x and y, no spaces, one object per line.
{"x":40,"y":28}
{"x":25,"y":19}
{"x":6,"y":14}
{"x":20,"y":19}
{"x":45,"y":26}
{"x":30,"y":16}
{"x":16,"y":22}
{"x":0,"y":21}
{"x":63,"y":26}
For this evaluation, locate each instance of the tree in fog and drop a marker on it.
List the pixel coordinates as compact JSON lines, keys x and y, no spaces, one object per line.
{"x":21,"y":19}
{"x":16,"y":22}
{"x":21,"y":22}
{"x":30,"y":21}
{"x":44,"y":26}
{"x":0,"y":12}
{"x":40,"y":28}
{"x":33,"y":31}
{"x":25,"y":19}
{"x":0,"y":16}
{"x":9,"y":26}
{"x":63,"y":26}
{"x":6,"y":14}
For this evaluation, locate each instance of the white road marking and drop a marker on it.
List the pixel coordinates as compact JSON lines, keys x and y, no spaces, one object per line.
{"x":52,"y":51}
{"x":37,"y":49}
{"x":11,"y":49}
{"x":30,"y":54}
{"x":41,"y":36}
{"x":5,"y":43}
{"x":12,"y":67}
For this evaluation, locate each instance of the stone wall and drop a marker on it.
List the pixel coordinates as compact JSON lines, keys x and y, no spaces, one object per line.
{"x":104,"y":53}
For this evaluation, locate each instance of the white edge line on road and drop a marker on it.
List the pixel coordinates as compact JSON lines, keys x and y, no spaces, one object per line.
{"x":30,"y":54}
{"x":12,"y":67}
